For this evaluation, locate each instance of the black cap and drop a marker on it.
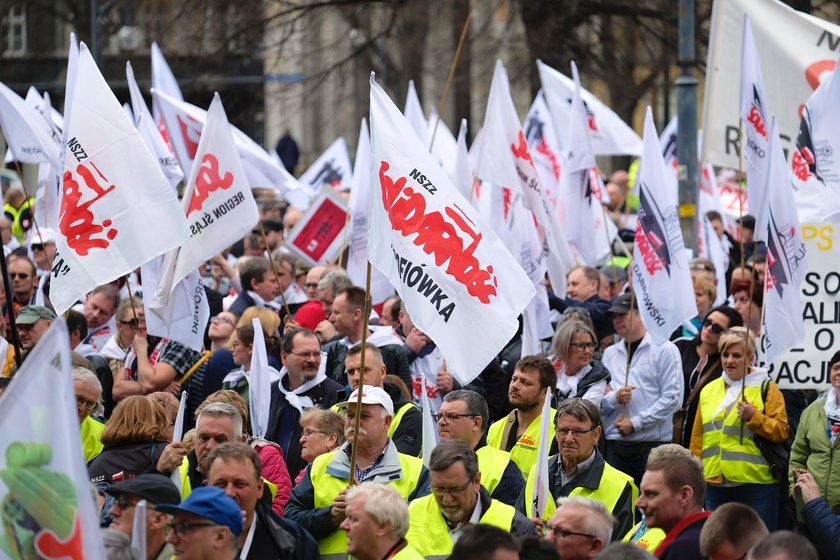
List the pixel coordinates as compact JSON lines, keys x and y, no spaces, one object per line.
{"x":747,"y":222}
{"x":154,"y":488}
{"x":627,"y":235}
{"x":272,"y":225}
{"x":623,"y":304}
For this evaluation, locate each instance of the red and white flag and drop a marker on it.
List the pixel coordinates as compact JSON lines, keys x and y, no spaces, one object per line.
{"x":545,"y":150}
{"x":787,"y":261}
{"x":457,"y":280}
{"x":320,"y":233}
{"x":163,"y":79}
{"x":661,"y":277}
{"x":610,"y":134}
{"x":505,"y":159}
{"x":332,"y":169}
{"x":755,"y":115}
{"x":668,"y":141}
{"x":44,"y":483}
{"x":218,"y":204}
{"x":117,"y":208}
{"x":814,"y":166}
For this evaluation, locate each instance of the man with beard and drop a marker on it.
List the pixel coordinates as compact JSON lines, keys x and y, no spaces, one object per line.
{"x":519,"y":432}
{"x":303,"y":384}
{"x":457,"y":500}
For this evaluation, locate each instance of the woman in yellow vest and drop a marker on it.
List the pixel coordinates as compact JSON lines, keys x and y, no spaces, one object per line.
{"x":733,"y":466}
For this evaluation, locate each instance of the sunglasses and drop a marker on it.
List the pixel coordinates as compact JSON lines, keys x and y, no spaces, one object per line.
{"x":21,"y":275}
{"x":715,"y":328}
{"x":133,"y":323}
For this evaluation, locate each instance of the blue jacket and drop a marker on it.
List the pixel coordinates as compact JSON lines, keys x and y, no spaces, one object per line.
{"x":824,"y":526}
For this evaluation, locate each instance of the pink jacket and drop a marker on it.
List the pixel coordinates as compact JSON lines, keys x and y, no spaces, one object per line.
{"x":274,"y":470}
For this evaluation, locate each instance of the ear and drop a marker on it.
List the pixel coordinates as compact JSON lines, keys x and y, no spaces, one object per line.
{"x":158,"y":521}
{"x":384,"y":529}
{"x":597,"y":433}
{"x":262,"y":488}
{"x":388,"y":420}
{"x":283,"y":358}
{"x":220,"y":539}
{"x":686,"y":494}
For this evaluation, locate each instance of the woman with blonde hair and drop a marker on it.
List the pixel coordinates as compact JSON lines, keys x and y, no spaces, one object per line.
{"x":579,"y":374}
{"x":727,"y":423}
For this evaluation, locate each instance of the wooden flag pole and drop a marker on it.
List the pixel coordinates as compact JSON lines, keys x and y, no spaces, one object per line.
{"x":360,"y":388}
{"x":274,"y":269}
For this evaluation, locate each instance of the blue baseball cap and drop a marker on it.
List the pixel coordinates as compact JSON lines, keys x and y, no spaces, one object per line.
{"x":210,"y":503}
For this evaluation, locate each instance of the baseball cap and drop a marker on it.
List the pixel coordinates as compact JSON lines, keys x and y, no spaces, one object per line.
{"x":30,"y":314}
{"x":47,"y":235}
{"x":154,"y":488}
{"x":371,"y":395}
{"x":622,"y":304}
{"x":212,"y":504}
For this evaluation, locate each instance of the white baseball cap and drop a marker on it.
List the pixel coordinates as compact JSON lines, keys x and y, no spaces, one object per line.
{"x":371,"y":395}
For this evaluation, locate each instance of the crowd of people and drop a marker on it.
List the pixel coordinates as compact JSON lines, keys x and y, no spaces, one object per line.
{"x":674,"y":449}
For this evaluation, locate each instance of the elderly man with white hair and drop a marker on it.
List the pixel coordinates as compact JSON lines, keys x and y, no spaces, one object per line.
{"x":376,"y":523}
{"x":88,"y":391}
{"x":580,"y":528}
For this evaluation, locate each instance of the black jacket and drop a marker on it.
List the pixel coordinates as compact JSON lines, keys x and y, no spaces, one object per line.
{"x":121,"y":462}
{"x":597,"y":308}
{"x":690,"y":359}
{"x":521,"y":526}
{"x":595,"y":375}
{"x":408,"y":437}
{"x":394,"y":356}
{"x":277,"y":538}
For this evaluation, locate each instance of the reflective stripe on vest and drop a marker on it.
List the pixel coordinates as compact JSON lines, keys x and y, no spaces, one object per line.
{"x":492,"y":463}
{"x":524,"y":451}
{"x":327,"y":487}
{"x":724,"y":452}
{"x":429,"y":534}
{"x":395,"y":421}
{"x":610,"y":488}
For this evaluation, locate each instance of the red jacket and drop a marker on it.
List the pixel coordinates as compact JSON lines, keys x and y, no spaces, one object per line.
{"x":274,"y":470}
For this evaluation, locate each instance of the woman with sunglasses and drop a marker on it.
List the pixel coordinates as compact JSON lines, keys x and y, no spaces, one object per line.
{"x":727,"y":423}
{"x":701,"y":365}
{"x":578,"y":373}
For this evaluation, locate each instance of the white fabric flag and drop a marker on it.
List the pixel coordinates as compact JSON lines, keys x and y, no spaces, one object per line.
{"x":709,"y":246}
{"x":43,"y":105}
{"x":150,"y":133}
{"x":443,"y":144}
{"x":218,"y":204}
{"x":661,"y":277}
{"x":30,"y":137}
{"x":796,"y":49}
{"x":505,"y":159}
{"x":583,"y":213}
{"x":117,"y":208}
{"x":542,"y":494}
{"x":430,"y":432}
{"x":755,"y":115}
{"x":787,"y":262}
{"x":69,"y":90}
{"x":414,"y":114}
{"x":332,"y":169}
{"x":178,"y":435}
{"x":138,"y":529}
{"x":815,"y":169}
{"x":668,"y":141}
{"x":458,"y":282}
{"x":546,"y":151}
{"x":44,"y":484}
{"x":259,"y":383}
{"x":610,"y":134}
{"x":163,"y":80}
{"x":464,"y":176}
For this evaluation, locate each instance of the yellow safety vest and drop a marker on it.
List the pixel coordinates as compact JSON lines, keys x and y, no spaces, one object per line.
{"x":429,"y":534}
{"x":492,"y":463}
{"x":398,"y":416}
{"x":610,"y":488}
{"x":524,"y":451}
{"x":724,"y":452}
{"x":327,"y":487}
{"x":407,"y":553}
{"x":21,"y":218}
{"x":186,"y":487}
{"x":650,"y":539}
{"x":91,"y":432}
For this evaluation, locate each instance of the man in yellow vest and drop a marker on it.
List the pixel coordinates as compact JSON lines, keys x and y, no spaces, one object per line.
{"x":580,"y":528}
{"x":519,"y":432}
{"x":580,"y":470}
{"x":458,"y":500}
{"x":406,"y":429}
{"x":319,"y":501}
{"x":376,"y":524}
{"x":464,"y":416}
{"x":88,"y":391}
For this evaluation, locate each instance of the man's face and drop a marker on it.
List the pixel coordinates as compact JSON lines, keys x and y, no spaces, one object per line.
{"x":87,"y":398}
{"x":452,"y":423}
{"x":717,"y":225}
{"x":660,"y":505}
{"x":576,"y":544}
{"x":576,"y":439}
{"x":343,"y":317}
{"x":128,"y":327}
{"x":622,"y":322}
{"x":99,"y":309}
{"x":729,"y":551}
{"x":210,"y":432}
{"x":304,"y":359}
{"x":252,"y":249}
{"x":363,"y":533}
{"x":385,"y":317}
{"x":525,"y":391}
{"x":22,"y":277}
{"x":197,"y":542}
{"x":238,"y":480}
{"x":266,"y":288}
{"x":44,"y":254}
{"x":580,"y":287}
{"x":454,"y":492}
{"x":326,"y":297}
{"x":5,"y":230}
{"x":760,"y":269}
{"x":310,"y":285}
{"x":286,"y":274}
{"x":373,"y":428}
{"x":746,"y":235}
{"x":374,"y":370}
{"x":122,"y":513}
{"x":31,"y":334}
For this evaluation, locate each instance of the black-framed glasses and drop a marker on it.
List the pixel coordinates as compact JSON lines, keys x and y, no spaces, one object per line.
{"x":183,"y":527}
{"x":454,"y":492}
{"x":583,"y":346}
{"x":90,"y":406}
{"x":450,"y":416}
{"x":563,"y":432}
{"x":306,"y":355}
{"x":123,"y":503}
{"x":218,"y":319}
{"x":560,"y":533}
{"x":21,"y":275}
{"x":307,"y":433}
{"x":714,"y":327}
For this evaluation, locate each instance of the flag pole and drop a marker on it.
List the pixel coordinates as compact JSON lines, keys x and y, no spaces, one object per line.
{"x":629,"y":328}
{"x":131,"y":299}
{"x":34,"y":221}
{"x":360,"y":388}
{"x":274,"y":269}
{"x":746,"y":336}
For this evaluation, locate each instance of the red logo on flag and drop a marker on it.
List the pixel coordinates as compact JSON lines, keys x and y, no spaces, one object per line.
{"x":51,"y":547}
{"x":754,"y":118}
{"x":801,"y":162}
{"x":208,"y":180}
{"x":76,"y":222}
{"x":190,"y":132}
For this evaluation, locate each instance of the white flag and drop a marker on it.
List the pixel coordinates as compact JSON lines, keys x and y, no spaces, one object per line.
{"x":69,"y":90}
{"x":415,"y":115}
{"x":464,"y":175}
{"x":43,"y":105}
{"x":117,"y":208}
{"x":815,"y":168}
{"x":332,"y":169}
{"x":668,"y":141}
{"x":542,"y":494}
{"x":610,"y":134}
{"x":30,"y":137}
{"x":163,"y":79}
{"x":755,"y":115}
{"x":456,"y":279}
{"x":787,"y":263}
{"x":661,"y":277}
{"x":218,"y":203}
{"x":138,"y":529}
{"x":430,"y":433}
{"x":259,"y":383}
{"x":444,"y":146}
{"x":505,"y":159}
{"x":49,"y":511}
{"x":545,"y":149}
{"x":709,"y":246}
{"x":178,"y":435}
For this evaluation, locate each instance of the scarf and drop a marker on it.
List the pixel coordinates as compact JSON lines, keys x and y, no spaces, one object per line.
{"x":832,"y":414}
{"x":233,"y":378}
{"x":733,"y":390}
{"x":296,"y":397}
{"x":568,"y":384}
{"x":260,"y":302}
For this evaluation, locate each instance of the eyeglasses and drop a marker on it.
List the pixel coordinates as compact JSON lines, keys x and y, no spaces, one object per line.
{"x":21,"y":275}
{"x":563,"y":533}
{"x":715,"y":328}
{"x":451,"y":416}
{"x":454,"y":492}
{"x":307,"y":355}
{"x":183,"y":527}
{"x":90,"y":406}
{"x":123,"y":504}
{"x":37,"y":247}
{"x":583,"y":346}
{"x":133,"y":323}
{"x":307,"y":433}
{"x":218,"y":319}
{"x":563,"y":432}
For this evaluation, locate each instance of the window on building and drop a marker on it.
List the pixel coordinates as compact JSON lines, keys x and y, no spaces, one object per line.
{"x":14,"y":31}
